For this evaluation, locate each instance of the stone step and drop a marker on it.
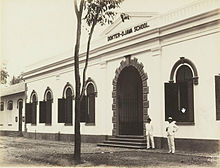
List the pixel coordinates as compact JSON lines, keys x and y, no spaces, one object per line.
{"x":130,"y":136}
{"x":127,"y":139}
{"x":122,"y":146}
{"x":125,"y":143}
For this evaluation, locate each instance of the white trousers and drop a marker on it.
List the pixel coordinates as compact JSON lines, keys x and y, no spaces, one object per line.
{"x":150,"y":138}
{"x":171,"y":143}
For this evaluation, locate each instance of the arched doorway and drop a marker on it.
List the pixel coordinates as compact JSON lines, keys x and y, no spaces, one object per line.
{"x":130,"y":102}
{"x":130,"y":98}
{"x":20,"y":107}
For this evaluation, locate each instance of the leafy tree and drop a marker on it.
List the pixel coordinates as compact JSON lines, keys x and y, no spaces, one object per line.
{"x":97,"y":12}
{"x":4,"y":74}
{"x":16,"y":79}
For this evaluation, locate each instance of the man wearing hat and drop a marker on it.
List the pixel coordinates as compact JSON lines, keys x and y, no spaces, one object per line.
{"x":171,"y":129}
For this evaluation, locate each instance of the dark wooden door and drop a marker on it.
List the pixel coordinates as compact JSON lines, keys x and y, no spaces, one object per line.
{"x":130,"y":102}
{"x":20,"y":107}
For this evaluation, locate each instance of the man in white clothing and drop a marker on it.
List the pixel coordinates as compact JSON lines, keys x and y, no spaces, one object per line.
{"x":149,"y":134}
{"x":171,"y":129}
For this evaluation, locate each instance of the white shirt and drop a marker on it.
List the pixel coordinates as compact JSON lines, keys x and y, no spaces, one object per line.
{"x":171,"y":128}
{"x":149,"y":128}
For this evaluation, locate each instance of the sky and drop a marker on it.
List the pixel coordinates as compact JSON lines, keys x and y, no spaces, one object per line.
{"x":34,"y":30}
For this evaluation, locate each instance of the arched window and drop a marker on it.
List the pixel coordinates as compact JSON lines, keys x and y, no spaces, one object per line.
{"x":2,"y":106}
{"x":91,"y":103}
{"x":69,"y":106}
{"x":46,"y":107}
{"x":31,"y":109}
{"x":184,"y":80}
{"x":48,"y":95}
{"x":34,"y":98}
{"x":179,"y":94}
{"x":65,"y":106}
{"x":87,"y":107}
{"x":10,"y":105}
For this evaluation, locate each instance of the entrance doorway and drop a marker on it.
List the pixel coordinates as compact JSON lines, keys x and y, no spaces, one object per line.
{"x":20,"y":107}
{"x":130,"y":102}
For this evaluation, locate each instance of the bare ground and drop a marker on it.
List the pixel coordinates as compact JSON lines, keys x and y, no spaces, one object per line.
{"x":18,"y":151}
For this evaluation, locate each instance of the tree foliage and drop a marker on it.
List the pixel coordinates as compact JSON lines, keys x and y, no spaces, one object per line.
{"x":100,"y":11}
{"x":4,"y":74}
{"x":97,"y":12}
{"x":16,"y":79}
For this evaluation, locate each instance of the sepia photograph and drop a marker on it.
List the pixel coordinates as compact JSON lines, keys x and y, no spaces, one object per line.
{"x":110,"y":83}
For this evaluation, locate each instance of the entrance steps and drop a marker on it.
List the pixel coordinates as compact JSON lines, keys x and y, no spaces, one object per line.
{"x":125,"y":141}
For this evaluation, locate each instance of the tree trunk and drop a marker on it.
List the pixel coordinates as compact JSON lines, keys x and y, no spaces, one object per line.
{"x":77,"y":146}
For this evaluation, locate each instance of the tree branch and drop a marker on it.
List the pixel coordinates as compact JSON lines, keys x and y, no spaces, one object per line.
{"x":76,"y":8}
{"x":87,"y":52}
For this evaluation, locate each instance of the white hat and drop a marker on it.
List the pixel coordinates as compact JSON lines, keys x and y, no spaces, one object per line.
{"x":170,"y":118}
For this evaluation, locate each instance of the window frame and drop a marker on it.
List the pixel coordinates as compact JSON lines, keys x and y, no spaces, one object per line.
{"x":64,"y":110}
{"x":8,"y":106}
{"x":90,"y":97}
{"x":46,"y":108}
{"x":68,"y":107}
{"x":2,"y":106}
{"x":184,"y":96}
{"x":183,"y":61}
{"x":85,"y":104}
{"x":34,"y":102}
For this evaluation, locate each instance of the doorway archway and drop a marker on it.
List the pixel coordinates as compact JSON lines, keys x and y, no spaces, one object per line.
{"x":130,"y":102}
{"x":20,"y":108}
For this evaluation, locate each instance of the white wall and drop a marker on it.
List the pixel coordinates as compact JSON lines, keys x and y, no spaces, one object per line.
{"x":204,"y":53}
{"x":8,"y":116}
{"x":56,"y":81}
{"x":198,"y":45}
{"x":158,"y":68}
{"x":152,"y":66}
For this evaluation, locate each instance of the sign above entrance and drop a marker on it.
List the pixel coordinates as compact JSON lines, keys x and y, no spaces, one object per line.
{"x":128,"y":31}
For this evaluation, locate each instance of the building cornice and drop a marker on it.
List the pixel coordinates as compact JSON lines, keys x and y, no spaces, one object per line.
{"x":162,"y":30}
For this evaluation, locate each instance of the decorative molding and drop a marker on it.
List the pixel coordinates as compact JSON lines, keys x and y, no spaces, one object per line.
{"x":19,"y":100}
{"x":90,"y":80}
{"x":156,"y":51}
{"x":58,"y":77}
{"x":68,"y":85}
{"x":181,"y":61}
{"x":45,"y":94}
{"x":177,"y":21}
{"x":189,"y":11}
{"x":31,"y":97}
{"x":103,"y":64}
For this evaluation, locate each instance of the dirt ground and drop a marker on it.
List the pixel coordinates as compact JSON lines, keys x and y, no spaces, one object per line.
{"x":19,"y":151}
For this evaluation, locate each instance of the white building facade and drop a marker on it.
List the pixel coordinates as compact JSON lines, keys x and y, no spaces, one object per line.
{"x":148,"y":66}
{"x":12,"y":109}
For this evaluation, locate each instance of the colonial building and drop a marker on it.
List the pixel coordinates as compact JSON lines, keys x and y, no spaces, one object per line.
{"x":12,"y":108}
{"x":148,"y":66}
